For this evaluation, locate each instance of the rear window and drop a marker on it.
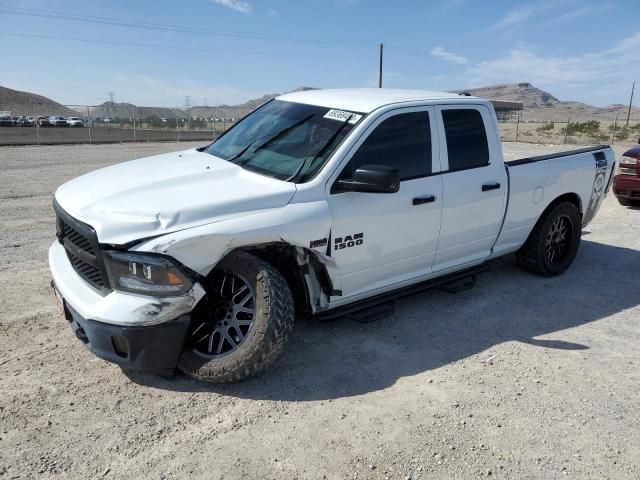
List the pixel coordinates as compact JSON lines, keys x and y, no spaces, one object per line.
{"x":467,"y":145}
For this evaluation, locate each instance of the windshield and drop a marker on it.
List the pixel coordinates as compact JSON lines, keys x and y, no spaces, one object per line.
{"x":285,"y":140}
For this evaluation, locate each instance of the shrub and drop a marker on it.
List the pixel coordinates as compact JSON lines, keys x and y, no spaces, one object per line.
{"x":546,"y":129}
{"x":590,"y":129}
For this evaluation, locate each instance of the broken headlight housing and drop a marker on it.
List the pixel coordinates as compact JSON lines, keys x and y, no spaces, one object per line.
{"x":145,"y":274}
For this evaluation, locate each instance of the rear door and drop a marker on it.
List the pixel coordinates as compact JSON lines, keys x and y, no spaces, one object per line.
{"x":474,"y":185}
{"x":382,"y":239}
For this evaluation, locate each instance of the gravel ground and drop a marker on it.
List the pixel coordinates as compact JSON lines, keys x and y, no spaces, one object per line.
{"x":101,"y":134}
{"x":520,"y":377}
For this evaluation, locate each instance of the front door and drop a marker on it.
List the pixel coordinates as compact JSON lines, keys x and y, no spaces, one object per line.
{"x":380,"y":240}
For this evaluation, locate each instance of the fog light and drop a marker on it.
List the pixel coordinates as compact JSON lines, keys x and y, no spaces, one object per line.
{"x":121,"y":346}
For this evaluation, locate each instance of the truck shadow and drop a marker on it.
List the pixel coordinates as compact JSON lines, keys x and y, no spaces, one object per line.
{"x":432,"y":329}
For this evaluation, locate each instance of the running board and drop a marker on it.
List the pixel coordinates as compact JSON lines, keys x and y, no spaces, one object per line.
{"x":382,"y":305}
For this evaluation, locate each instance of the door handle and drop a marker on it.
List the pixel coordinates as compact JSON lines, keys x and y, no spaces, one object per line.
{"x":425,"y":199}
{"x":490,"y":186}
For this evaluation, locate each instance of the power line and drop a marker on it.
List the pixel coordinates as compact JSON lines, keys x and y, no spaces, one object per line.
{"x":175,"y":47}
{"x":175,"y":28}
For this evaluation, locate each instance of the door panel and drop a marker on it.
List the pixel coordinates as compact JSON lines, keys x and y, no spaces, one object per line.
{"x":474,"y":197}
{"x":471,"y":217}
{"x":399,"y":238}
{"x":380,"y":239}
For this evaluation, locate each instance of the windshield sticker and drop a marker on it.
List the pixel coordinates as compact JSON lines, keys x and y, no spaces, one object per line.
{"x":342,"y":115}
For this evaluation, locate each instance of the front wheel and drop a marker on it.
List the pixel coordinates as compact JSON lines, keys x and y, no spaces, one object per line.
{"x":553,"y":242}
{"x":241,"y":326}
{"x":628,"y":203}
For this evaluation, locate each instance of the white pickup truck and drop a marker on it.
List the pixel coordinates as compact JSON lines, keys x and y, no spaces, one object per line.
{"x":323,"y":203}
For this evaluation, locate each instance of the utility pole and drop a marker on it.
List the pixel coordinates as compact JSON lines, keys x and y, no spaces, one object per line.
{"x":110,"y":109}
{"x":633,"y":87}
{"x":380,"y":73}
{"x":187,"y":105}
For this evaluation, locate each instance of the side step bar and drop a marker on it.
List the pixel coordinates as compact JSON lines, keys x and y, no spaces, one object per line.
{"x":358,"y":311}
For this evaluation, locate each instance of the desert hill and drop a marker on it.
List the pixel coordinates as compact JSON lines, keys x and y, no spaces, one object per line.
{"x":541,"y":105}
{"x":27,"y":103}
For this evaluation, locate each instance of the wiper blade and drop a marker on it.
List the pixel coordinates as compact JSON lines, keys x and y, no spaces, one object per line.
{"x":284,"y":131}
{"x":324,"y":147}
{"x":243,"y":151}
{"x":272,"y":139}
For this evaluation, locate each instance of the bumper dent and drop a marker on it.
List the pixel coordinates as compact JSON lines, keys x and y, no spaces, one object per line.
{"x":116,"y":308}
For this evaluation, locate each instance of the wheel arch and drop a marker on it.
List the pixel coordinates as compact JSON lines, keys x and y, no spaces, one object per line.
{"x":570,"y":197}
{"x":305,"y":274}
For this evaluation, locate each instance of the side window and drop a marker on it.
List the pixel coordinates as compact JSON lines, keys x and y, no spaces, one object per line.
{"x":467,"y":145}
{"x":402,"y":141}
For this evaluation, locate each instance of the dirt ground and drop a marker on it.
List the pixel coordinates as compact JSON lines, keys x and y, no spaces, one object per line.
{"x":101,"y":134}
{"x":520,"y":377}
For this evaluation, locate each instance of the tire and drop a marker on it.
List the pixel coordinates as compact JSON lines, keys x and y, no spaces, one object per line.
{"x":624,"y":202}
{"x":544,"y":253}
{"x":264,"y":340}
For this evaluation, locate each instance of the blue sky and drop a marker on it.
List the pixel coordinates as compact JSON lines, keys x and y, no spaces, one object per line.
{"x":229,"y":51}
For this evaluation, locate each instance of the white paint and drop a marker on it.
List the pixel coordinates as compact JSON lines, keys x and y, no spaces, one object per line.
{"x":538,"y":195}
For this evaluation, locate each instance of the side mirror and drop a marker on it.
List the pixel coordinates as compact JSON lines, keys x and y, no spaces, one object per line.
{"x":372,"y":179}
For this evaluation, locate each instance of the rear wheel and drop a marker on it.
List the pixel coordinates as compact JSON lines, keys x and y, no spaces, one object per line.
{"x":554,"y":241}
{"x":242,"y":325}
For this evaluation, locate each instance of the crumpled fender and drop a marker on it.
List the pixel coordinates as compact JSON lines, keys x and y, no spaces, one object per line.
{"x":306,"y":225}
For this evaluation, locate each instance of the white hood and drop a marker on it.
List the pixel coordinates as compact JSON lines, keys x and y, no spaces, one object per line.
{"x":165,"y":193}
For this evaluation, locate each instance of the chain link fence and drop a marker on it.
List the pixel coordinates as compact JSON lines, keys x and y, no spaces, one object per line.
{"x":117,"y":122}
{"x":551,"y":126}
{"x":113,"y":123}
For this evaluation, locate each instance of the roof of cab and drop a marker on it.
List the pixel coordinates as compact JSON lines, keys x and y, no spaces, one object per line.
{"x":365,"y":100}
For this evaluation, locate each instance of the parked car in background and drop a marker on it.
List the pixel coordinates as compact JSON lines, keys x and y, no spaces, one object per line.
{"x":33,"y":120}
{"x":626,"y":185}
{"x":6,"y":122}
{"x":24,"y":122}
{"x":58,"y":121}
{"x":75,"y":122}
{"x":15,"y":121}
{"x":43,"y":122}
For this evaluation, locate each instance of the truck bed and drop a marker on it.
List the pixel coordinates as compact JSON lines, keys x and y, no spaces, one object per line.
{"x":535,"y":181}
{"x":552,"y":156}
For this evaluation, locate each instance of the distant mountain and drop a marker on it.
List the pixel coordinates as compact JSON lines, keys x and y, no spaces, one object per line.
{"x":126,"y":110}
{"x":542,"y":105}
{"x":231,"y":111}
{"x":27,"y":103}
{"x":538,"y":105}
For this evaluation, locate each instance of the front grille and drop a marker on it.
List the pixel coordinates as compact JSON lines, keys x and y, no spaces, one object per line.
{"x":90,"y":273}
{"x":81,"y":244}
{"x":77,"y":239}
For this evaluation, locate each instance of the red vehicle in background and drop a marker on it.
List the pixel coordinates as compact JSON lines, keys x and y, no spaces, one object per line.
{"x":43,"y":122}
{"x":626,"y":185}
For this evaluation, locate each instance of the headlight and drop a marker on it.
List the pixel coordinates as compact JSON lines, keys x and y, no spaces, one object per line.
{"x":145,"y":274}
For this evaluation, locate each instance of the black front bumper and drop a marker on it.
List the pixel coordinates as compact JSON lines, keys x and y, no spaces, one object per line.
{"x":149,"y":348}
